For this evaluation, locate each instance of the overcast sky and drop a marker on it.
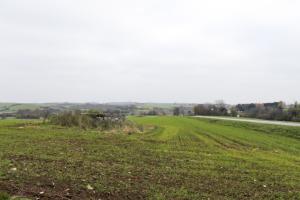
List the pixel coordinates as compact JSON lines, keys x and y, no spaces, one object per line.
{"x":149,"y":51}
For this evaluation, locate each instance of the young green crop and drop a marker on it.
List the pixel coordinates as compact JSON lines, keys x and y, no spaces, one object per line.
{"x":174,"y":158}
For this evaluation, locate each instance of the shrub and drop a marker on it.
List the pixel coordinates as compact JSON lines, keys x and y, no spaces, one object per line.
{"x":90,"y":119}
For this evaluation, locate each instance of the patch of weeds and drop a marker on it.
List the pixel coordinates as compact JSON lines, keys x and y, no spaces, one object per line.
{"x":4,"y":196}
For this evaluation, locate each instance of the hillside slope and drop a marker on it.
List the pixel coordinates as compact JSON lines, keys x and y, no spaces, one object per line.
{"x":174,"y":158}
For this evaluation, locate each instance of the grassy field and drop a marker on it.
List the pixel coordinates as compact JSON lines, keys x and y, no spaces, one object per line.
{"x":173,"y":158}
{"x":13,"y":107}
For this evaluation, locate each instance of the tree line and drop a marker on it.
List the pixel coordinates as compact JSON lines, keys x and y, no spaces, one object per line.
{"x":269,"y":111}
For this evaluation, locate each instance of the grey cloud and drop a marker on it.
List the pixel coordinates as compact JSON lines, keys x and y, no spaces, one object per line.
{"x":162,"y":51}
